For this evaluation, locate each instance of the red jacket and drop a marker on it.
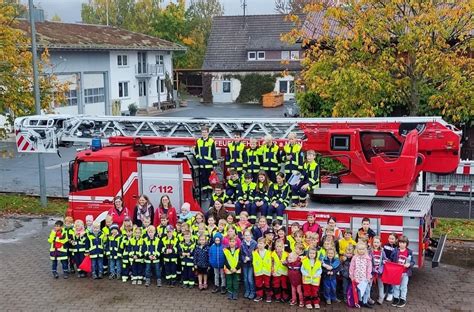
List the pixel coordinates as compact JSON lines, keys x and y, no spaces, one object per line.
{"x":118,"y":217}
{"x":172,"y":216}
{"x":315,"y":228}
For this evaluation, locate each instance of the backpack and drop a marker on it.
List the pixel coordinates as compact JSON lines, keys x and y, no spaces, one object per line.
{"x":352,"y":296}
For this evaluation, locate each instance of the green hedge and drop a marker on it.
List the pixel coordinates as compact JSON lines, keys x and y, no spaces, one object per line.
{"x":253,"y":86}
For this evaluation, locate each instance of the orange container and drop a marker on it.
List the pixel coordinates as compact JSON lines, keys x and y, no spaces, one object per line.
{"x":272,"y":99}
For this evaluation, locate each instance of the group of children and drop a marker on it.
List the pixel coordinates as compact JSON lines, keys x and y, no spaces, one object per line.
{"x":298,"y":267}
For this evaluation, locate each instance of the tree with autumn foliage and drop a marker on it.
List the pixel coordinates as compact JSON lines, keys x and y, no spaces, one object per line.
{"x":16,"y":70}
{"x":380,"y":57}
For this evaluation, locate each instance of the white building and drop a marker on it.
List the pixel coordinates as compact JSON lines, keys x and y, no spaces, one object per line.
{"x":240,"y":46}
{"x":103,"y":64}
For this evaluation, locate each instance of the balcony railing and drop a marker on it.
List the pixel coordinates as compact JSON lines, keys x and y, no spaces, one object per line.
{"x":149,"y":70}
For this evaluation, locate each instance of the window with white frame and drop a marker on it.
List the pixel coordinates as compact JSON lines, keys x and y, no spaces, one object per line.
{"x":260,"y":55}
{"x":287,"y":86}
{"x":252,"y":55}
{"x":160,"y":86}
{"x":160,"y":60}
{"x":122,"y":60}
{"x":295,"y":55}
{"x":285,"y":55}
{"x":226,"y":87}
{"x":71,"y":97}
{"x":94,"y":95}
{"x":123,"y":89}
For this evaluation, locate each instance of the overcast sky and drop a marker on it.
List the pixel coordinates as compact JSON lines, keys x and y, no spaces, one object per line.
{"x":70,"y":10}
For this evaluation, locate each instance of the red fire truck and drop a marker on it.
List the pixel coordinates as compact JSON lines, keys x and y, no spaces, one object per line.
{"x":382,"y":158}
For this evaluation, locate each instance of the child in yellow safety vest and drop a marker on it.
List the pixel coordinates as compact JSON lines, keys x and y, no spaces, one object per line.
{"x":232,"y":269}
{"x":311,"y":270}
{"x":280,"y":272}
{"x":136,"y":257}
{"x":57,"y":251}
{"x":262,"y":267}
{"x":186,"y":250}
{"x":95,"y":248}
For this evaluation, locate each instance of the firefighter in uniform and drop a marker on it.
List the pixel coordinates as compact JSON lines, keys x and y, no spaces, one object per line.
{"x":206,"y":155}
{"x":271,"y":157}
{"x":186,"y":249}
{"x":236,"y":156}
{"x":309,"y":179}
{"x":293,"y":156}
{"x":254,"y":159}
{"x":245,"y":196}
{"x":280,"y":198}
{"x":169,"y":250}
{"x":151,"y":253}
{"x":57,"y":251}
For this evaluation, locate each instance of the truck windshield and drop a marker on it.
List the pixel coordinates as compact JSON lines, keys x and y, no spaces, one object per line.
{"x":376,"y":143}
{"x":92,"y":175}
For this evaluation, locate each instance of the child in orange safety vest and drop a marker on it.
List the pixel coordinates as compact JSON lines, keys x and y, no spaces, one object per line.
{"x":262,"y":266}
{"x":311,"y":271}
{"x":280,"y":272}
{"x":232,"y":268}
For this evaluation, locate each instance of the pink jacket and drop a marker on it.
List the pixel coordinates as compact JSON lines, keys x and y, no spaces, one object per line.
{"x":360,"y":268}
{"x":225,"y":242}
{"x":315,"y":228}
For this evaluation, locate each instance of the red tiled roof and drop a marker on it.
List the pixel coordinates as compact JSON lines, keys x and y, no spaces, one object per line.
{"x":54,"y":35}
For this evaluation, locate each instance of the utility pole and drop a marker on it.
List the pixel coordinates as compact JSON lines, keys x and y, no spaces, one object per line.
{"x":42,"y":179}
{"x":244,"y":6}
{"x":107,"y":11}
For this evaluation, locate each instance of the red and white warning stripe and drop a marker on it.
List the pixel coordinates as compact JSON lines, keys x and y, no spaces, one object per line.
{"x":22,"y":143}
{"x":448,"y":188}
{"x":465,"y":168}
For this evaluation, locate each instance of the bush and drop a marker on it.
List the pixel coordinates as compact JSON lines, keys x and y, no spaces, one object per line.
{"x":253,"y":86}
{"x":312,"y":105}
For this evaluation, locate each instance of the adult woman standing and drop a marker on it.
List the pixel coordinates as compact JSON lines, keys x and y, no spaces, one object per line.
{"x":166,"y":208}
{"x":143,"y":209}
{"x":332,"y":229}
{"x":118,"y":212}
{"x":218,"y":211}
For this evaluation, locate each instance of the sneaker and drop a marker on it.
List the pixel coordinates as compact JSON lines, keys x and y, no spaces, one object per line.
{"x":158,"y":282}
{"x":370,"y":301}
{"x":234,"y":296}
{"x":251,"y":296}
{"x":269,"y":300}
{"x":395,"y":302}
{"x":215,"y":290}
{"x":184,"y":286}
{"x":101,"y":275}
{"x":316,"y":306}
{"x":230,"y":296}
{"x":111,"y":277}
{"x":247,"y":294}
{"x":337,"y":300}
{"x":301,"y":305}
{"x":380,"y":301}
{"x":389,"y":298}
{"x":94,"y":276}
{"x":223,"y":291}
{"x":124,"y":279}
{"x":258,"y":299}
{"x":134,"y":282}
{"x":365,"y":305}
{"x":118,"y":276}
{"x":309,"y":306}
{"x":292,"y":303}
{"x":66,"y":275}
{"x":401,"y":303}
{"x":147,"y":282}
{"x":55,"y":275}
{"x":328,"y":301}
{"x":139,"y":282}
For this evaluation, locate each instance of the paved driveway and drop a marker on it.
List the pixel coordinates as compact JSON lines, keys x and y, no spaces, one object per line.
{"x":26,"y":285}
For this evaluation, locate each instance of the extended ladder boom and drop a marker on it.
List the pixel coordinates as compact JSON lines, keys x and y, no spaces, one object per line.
{"x":45,"y":133}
